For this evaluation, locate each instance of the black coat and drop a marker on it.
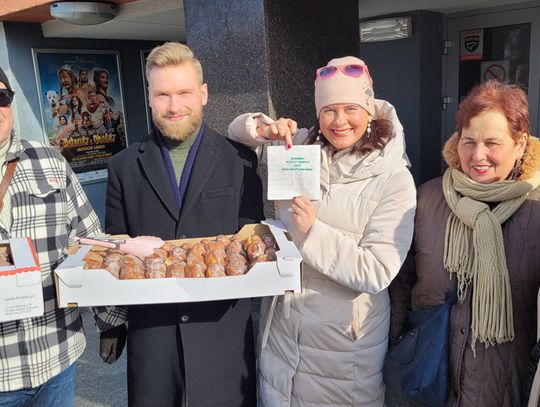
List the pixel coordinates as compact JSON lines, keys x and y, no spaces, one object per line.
{"x":213,"y":339}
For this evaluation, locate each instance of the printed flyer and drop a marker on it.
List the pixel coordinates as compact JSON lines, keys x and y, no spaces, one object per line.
{"x":294,"y":172}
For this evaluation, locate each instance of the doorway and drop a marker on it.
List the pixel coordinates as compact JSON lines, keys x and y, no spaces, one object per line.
{"x":503,"y":45}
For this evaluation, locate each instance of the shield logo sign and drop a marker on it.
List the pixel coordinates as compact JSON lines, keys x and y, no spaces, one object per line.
{"x":471,"y":45}
{"x":472,"y":42}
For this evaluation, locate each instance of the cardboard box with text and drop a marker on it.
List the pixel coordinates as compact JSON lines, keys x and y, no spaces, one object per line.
{"x":21,"y":292}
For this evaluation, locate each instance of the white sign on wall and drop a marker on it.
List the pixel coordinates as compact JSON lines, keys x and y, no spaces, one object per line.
{"x":499,"y":70}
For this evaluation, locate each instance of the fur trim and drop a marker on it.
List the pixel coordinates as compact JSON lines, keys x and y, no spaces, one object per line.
{"x":531,"y":157}
{"x":450,"y":152}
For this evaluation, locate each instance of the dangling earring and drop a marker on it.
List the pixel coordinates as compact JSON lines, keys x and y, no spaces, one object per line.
{"x":517,"y":171}
{"x":368,"y":130}
{"x":519,"y":167}
{"x":319,"y":132}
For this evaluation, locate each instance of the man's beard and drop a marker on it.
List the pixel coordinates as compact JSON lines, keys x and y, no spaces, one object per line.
{"x":178,"y":131}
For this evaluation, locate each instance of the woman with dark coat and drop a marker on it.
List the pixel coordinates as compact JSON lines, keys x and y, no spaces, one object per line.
{"x":476,"y":230}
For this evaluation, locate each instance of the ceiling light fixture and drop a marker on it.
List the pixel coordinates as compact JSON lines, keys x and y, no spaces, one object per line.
{"x":83,"y":12}
{"x":386,"y":29}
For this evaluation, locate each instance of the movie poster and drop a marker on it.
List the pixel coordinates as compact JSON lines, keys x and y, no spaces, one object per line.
{"x":82,"y":107}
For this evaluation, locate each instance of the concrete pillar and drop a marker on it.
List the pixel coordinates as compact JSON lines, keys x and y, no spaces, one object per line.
{"x":229,"y":39}
{"x":262,"y":55}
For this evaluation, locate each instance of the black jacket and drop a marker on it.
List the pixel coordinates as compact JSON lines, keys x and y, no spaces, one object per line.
{"x":223,"y":194}
{"x":212,"y":340}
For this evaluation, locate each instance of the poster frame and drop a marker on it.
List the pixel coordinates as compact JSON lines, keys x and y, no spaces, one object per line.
{"x":95,"y":171}
{"x":144,"y":55}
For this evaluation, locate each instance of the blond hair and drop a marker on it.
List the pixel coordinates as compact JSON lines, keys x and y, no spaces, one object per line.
{"x":172,"y":54}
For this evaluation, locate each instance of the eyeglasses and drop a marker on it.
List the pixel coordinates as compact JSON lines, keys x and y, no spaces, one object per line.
{"x":353,"y":70}
{"x":6,"y":97}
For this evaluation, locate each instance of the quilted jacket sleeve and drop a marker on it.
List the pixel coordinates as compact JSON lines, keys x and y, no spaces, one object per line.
{"x":243,"y":129}
{"x":370,"y":265}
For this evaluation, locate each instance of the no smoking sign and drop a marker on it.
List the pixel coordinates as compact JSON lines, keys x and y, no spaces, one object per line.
{"x":497,"y":70}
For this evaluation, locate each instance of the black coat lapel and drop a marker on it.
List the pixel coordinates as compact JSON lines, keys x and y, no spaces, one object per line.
{"x":154,"y":169}
{"x":207,"y":157}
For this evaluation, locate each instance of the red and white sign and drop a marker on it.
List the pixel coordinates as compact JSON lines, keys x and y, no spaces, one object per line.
{"x":471,"y":47}
{"x":498,"y":70}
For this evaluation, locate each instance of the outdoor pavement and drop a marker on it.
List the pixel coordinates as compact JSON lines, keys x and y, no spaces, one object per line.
{"x":102,"y":385}
{"x":98,"y":384}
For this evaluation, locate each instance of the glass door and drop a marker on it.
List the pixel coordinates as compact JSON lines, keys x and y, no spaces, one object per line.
{"x":498,"y":45}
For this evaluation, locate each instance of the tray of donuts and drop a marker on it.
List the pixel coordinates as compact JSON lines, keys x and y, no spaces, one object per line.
{"x":259,"y":260}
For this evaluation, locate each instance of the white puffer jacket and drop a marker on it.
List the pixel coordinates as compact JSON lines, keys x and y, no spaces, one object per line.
{"x":326,"y":346}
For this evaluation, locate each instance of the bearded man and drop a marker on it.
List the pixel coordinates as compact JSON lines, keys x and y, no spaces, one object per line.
{"x":184,"y":180}
{"x":83,"y":79}
{"x":69,"y":84}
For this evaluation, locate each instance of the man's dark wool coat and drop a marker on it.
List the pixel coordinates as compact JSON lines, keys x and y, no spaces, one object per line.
{"x":201,"y":351}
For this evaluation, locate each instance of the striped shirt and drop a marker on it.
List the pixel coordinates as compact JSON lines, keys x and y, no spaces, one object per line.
{"x":49,"y":206}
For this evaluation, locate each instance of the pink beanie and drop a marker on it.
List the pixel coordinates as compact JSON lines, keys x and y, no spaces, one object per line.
{"x":341,"y":88}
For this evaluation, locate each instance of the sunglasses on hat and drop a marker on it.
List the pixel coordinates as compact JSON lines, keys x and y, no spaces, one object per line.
{"x":352,"y":70}
{"x":6,"y":97}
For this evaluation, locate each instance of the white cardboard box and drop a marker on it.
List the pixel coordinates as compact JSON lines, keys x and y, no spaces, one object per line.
{"x":78,"y":287}
{"x":21,"y":292}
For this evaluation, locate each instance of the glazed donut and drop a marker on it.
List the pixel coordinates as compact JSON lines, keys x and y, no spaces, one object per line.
{"x":132,"y":268}
{"x":269,"y":241}
{"x":167,"y":246}
{"x":176,"y":269}
{"x":213,"y":245}
{"x":198,"y":248}
{"x":235,"y":247}
{"x":187,"y":246}
{"x":195,"y":270}
{"x":254,"y":249}
{"x":224,"y":239}
{"x":236,"y":267}
{"x":178,"y":252}
{"x":92,"y":260}
{"x":215,"y":270}
{"x":155,"y":270}
{"x":112,"y":263}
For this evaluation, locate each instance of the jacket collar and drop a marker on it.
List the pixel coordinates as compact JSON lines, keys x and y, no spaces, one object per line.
{"x":16,"y":149}
{"x":155,"y":172}
{"x":154,"y":169}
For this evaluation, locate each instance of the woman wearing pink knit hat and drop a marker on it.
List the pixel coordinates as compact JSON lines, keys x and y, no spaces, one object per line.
{"x":326,"y":345}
